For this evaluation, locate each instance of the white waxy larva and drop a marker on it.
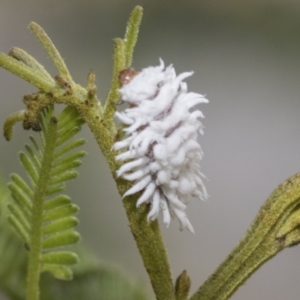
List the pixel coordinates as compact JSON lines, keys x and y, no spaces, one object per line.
{"x":160,"y":151}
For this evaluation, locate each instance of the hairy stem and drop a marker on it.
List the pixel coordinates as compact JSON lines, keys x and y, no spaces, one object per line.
{"x":33,"y":274}
{"x":147,"y":235}
{"x":51,"y":50}
{"x":113,"y":97}
{"x":132,"y":31}
{"x":273,"y":229}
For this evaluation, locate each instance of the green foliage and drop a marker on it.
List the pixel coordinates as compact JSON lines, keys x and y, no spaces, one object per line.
{"x":48,"y":172}
{"x":13,"y":256}
{"x":45,"y":221}
{"x":49,"y":166}
{"x":91,"y":278}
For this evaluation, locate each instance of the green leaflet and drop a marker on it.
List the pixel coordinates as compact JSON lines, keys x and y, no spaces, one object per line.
{"x":43,"y":221}
{"x":60,"y":225}
{"x":58,"y":271}
{"x":93,"y":279}
{"x":60,"y":212}
{"x":64,"y":238}
{"x":12,"y":254}
{"x":57,"y":201}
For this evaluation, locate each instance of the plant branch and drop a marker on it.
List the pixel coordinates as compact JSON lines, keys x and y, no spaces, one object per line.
{"x":275,"y":228}
{"x":147,"y":235}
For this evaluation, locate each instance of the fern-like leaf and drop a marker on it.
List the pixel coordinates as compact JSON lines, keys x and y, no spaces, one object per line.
{"x":44,"y":221}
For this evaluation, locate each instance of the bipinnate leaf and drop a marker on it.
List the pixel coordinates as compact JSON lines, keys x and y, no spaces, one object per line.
{"x":92,"y":279}
{"x":36,"y":210}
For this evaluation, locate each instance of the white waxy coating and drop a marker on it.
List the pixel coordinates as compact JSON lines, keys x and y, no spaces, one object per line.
{"x":161,"y":154}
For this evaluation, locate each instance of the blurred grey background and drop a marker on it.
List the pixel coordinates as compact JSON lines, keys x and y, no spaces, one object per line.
{"x":246,"y":58}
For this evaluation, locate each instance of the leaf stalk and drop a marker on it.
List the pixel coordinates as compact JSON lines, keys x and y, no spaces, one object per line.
{"x":33,"y":275}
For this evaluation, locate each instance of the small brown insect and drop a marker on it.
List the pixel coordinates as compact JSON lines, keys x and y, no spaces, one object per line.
{"x":126,"y":75}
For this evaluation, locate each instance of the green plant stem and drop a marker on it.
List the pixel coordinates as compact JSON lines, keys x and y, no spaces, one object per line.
{"x":51,"y":50}
{"x":33,"y":274}
{"x":113,"y":97}
{"x":264,"y":239}
{"x":132,"y":31}
{"x":147,"y":235}
{"x":152,"y":249}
